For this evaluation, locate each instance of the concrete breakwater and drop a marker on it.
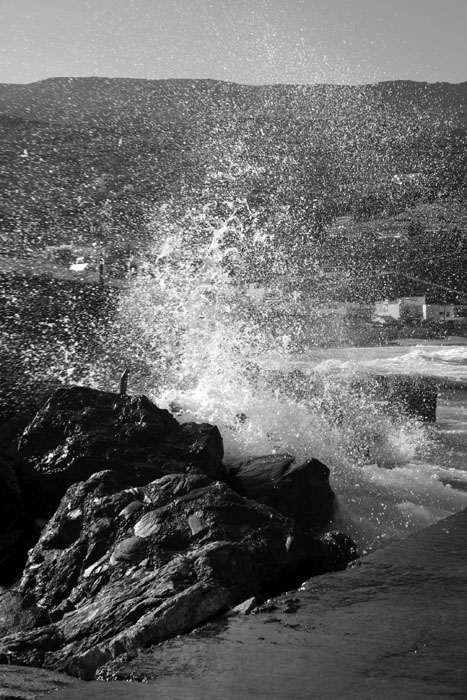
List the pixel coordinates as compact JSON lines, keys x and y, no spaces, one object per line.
{"x":394,"y":625}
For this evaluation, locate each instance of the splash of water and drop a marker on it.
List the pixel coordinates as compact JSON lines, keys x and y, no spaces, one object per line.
{"x":199,"y":345}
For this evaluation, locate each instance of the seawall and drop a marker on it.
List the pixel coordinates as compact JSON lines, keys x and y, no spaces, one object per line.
{"x":393,"y":626}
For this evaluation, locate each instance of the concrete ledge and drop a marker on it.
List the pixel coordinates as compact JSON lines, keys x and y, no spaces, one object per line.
{"x":394,"y":626}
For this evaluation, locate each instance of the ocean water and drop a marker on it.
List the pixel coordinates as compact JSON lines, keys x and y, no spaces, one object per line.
{"x":415,"y":485}
{"x":195,"y":345}
{"x":420,"y":474}
{"x":392,"y":474}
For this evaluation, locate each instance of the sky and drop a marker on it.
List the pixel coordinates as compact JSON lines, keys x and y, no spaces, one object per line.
{"x":244,"y":41}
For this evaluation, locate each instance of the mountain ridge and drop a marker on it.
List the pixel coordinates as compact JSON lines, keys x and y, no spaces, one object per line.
{"x":33,"y":97}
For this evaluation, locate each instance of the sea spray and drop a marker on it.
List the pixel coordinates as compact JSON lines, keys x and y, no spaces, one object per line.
{"x":198,"y":344}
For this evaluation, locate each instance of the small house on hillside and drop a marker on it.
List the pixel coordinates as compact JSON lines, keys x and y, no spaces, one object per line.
{"x":446,"y":312}
{"x":416,"y":308}
{"x":400,"y":308}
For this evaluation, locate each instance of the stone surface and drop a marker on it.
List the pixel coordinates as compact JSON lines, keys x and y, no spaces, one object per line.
{"x":113,"y":579}
{"x":157,"y":542}
{"x":23,"y":683}
{"x":80,"y":431}
{"x":245,"y":607}
{"x":392,"y":626}
{"x":414,"y":395}
{"x":300,"y":491}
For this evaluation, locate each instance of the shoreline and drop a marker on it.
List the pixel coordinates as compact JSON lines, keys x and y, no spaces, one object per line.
{"x":447,"y":341}
{"x":370,"y":631}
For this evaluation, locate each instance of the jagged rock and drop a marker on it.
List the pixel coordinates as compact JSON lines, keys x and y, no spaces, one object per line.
{"x":299,"y":491}
{"x":157,"y":541}
{"x":245,"y":607}
{"x":81,"y":431}
{"x":114,"y":578}
{"x":341,"y":550}
{"x":14,"y":615}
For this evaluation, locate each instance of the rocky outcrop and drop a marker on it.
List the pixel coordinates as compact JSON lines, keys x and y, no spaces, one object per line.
{"x":278,"y":481}
{"x":160,"y":540}
{"x":414,"y":395}
{"x":81,"y":431}
{"x":119,"y":568}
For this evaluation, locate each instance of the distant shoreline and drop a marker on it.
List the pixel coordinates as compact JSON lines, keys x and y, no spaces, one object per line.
{"x":449,"y":340}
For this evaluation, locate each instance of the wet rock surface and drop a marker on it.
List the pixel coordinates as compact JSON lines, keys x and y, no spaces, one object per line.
{"x":80,"y":431}
{"x":23,"y":683}
{"x":393,"y":625}
{"x":278,"y":481}
{"x":160,"y":540}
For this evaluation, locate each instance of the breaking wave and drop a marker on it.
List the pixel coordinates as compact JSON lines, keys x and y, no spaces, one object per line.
{"x":197,"y":344}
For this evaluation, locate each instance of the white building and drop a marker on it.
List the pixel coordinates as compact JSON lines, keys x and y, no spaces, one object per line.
{"x":417,"y":308}
{"x":402,"y":307}
{"x":445,"y":312}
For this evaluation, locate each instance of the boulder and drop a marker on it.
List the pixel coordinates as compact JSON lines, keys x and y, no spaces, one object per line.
{"x":81,"y":431}
{"x":411,"y":394}
{"x":146,"y":534}
{"x":414,"y":395}
{"x":300,"y":491}
{"x":113,"y":577}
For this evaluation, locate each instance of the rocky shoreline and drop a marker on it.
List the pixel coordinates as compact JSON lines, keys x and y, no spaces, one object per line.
{"x":141,"y":532}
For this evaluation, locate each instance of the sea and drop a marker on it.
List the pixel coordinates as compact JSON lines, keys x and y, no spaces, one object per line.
{"x":415,"y":476}
{"x":195,"y":345}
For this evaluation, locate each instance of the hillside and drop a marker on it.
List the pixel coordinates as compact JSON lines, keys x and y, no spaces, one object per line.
{"x":86,"y":159}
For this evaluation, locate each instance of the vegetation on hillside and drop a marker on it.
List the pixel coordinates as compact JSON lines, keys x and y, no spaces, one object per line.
{"x":92,"y":159}
{"x":263,"y":173}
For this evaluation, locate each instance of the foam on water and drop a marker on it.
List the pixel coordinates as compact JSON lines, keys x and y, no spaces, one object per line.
{"x":196,"y":344}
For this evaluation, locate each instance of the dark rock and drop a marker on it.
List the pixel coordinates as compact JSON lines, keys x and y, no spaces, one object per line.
{"x":341,"y":550}
{"x":414,"y":395}
{"x":299,"y":491}
{"x":81,"y":431}
{"x":156,"y":542}
{"x":114,"y":579}
{"x":15,"y":616}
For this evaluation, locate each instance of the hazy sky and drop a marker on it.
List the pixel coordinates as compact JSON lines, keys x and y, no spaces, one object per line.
{"x":250,"y":41}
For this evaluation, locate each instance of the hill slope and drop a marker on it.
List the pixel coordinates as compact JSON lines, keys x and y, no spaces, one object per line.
{"x":91,"y":158}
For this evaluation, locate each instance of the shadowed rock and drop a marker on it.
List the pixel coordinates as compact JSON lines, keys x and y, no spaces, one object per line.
{"x":80,"y":431}
{"x":14,"y":528}
{"x":414,"y":395}
{"x":299,"y":491}
{"x":114,"y":578}
{"x":158,"y":543}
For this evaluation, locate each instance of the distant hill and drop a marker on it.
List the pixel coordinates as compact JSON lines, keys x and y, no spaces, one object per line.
{"x":87,"y":158}
{"x":131,"y":101}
